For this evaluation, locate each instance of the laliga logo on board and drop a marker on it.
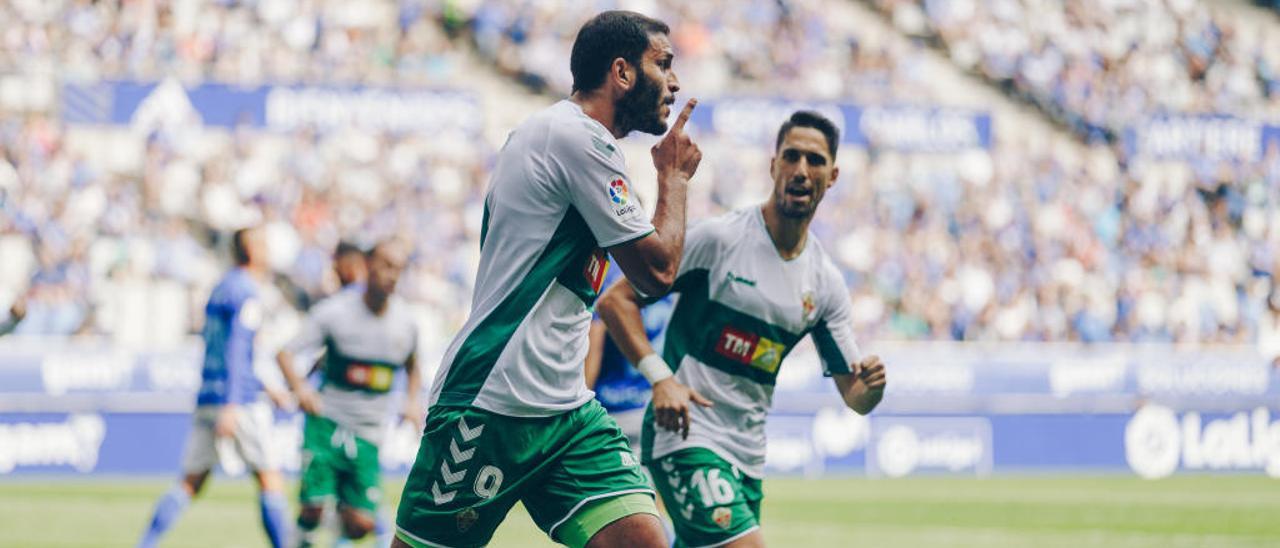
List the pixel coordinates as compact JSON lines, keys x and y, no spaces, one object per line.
{"x":1156,"y":441}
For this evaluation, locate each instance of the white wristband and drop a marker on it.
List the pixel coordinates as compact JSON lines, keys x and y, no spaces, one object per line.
{"x":654,"y":368}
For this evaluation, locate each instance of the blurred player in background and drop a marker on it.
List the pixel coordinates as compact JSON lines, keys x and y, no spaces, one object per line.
{"x":511,"y":418}
{"x":229,"y":405}
{"x":365,"y":336}
{"x":752,"y":283}
{"x":349,"y":263}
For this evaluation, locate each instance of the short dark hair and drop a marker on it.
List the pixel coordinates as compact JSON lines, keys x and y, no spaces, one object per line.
{"x":608,"y":36}
{"x":809,"y":118}
{"x":240,"y":250}
{"x":346,"y":248}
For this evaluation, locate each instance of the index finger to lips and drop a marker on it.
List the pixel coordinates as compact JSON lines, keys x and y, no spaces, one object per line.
{"x":683,"y":118}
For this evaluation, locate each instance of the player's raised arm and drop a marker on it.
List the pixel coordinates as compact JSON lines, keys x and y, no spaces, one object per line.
{"x":651,"y":263}
{"x":619,"y":308}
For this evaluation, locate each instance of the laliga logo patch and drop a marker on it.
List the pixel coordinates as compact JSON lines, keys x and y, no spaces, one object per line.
{"x":723,"y":517}
{"x":620,"y":196}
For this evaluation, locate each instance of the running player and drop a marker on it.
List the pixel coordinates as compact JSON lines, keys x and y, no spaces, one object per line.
{"x":229,"y":405}
{"x":511,"y":419}
{"x":365,"y":336}
{"x":752,"y":284}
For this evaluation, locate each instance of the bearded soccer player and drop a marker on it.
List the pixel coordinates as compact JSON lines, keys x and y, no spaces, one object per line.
{"x":366,"y":336}
{"x":510,"y":416}
{"x":229,"y":406}
{"x":752,"y":284}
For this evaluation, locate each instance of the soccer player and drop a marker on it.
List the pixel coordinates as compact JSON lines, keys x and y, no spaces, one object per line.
{"x":365,"y":335}
{"x":619,"y":387}
{"x":229,"y":406}
{"x":752,"y":284}
{"x":510,"y":417}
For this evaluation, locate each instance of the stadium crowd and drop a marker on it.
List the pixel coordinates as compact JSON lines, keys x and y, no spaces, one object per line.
{"x":1035,"y":239}
{"x":1102,"y":65}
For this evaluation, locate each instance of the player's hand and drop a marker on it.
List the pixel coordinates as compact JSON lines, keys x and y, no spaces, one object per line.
{"x":676,"y":155}
{"x":412,"y":413}
{"x":871,"y":373}
{"x":671,"y":405}
{"x":279,"y":398}
{"x":225,"y":426}
{"x":19,"y":309}
{"x":309,"y":401}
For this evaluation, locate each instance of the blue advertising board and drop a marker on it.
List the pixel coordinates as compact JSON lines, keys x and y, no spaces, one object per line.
{"x":891,"y":127}
{"x":950,"y":408}
{"x":278,"y":108}
{"x":1206,"y":137}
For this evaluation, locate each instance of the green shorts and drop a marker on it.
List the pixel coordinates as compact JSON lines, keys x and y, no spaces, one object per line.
{"x":710,"y":501}
{"x":338,"y":464}
{"x":473,"y":466}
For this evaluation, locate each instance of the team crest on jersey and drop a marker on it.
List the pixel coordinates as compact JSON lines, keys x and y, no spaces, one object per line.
{"x":750,"y":349}
{"x":466,"y":518}
{"x":597,"y":267}
{"x":620,"y":198}
{"x":723,"y":516}
{"x":810,"y":307}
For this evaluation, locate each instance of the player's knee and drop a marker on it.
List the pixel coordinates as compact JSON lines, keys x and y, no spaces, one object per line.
{"x":356,"y":525}
{"x":194,"y":483}
{"x":642,"y":530}
{"x":309,"y":516}
{"x":269,"y":482}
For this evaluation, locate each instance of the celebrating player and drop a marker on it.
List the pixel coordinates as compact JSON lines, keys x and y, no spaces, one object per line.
{"x":365,"y":336}
{"x":752,"y":284}
{"x":511,"y":419}
{"x":229,"y":405}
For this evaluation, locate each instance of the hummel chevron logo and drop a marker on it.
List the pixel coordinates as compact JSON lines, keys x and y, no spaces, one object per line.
{"x":469,"y":434}
{"x":687,"y":512}
{"x":441,"y":498}
{"x":667,"y":465}
{"x":680,"y":496}
{"x":674,"y":482}
{"x":459,"y":456}
{"x":451,"y":477}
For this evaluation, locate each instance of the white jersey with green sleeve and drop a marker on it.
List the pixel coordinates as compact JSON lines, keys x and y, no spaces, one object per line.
{"x":360,"y":353}
{"x":739,"y":309}
{"x":559,"y":193}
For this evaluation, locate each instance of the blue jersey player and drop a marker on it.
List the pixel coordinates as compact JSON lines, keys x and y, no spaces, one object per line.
{"x":230,"y":411}
{"x":619,"y":387}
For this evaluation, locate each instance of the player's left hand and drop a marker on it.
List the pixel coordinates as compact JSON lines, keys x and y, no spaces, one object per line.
{"x":279,"y":398}
{"x":412,"y":413}
{"x":225,"y":426}
{"x":871,"y":372}
{"x":19,"y":309}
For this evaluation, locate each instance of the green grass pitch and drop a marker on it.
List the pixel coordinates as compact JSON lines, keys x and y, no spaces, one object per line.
{"x":1034,"y":511}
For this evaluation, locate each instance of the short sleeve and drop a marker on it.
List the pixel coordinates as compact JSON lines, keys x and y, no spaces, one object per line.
{"x":595,"y":183}
{"x":309,"y":341}
{"x":833,"y":334}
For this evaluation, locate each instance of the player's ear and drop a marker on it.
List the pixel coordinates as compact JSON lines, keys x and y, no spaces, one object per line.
{"x":623,"y":74}
{"x":835,"y":174}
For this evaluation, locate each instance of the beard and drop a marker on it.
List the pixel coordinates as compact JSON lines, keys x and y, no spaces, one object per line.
{"x":640,"y":108}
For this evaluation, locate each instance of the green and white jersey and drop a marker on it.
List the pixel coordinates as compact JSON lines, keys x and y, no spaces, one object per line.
{"x":740,"y":308}
{"x":559,"y":193}
{"x":361,"y":353}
